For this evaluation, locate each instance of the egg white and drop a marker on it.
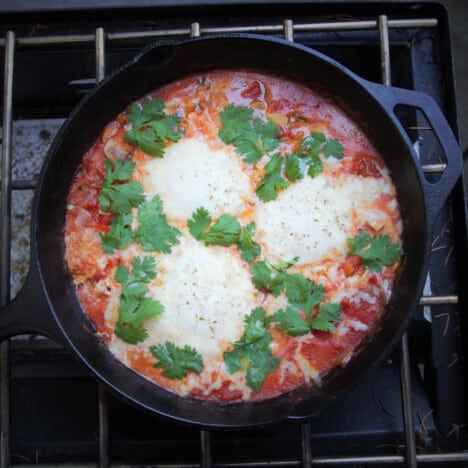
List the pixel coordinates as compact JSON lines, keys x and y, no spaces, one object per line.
{"x":312,"y":218}
{"x":191,"y":175}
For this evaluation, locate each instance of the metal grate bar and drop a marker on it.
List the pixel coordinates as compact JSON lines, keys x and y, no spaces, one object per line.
{"x":305,"y":445}
{"x":102,"y":394}
{"x":438,"y":300}
{"x":433,"y":168}
{"x":5,"y":242}
{"x":194,"y":30}
{"x":271,"y":28}
{"x":205,"y":446}
{"x":405,"y":361}
{"x":426,"y":459}
{"x":288,"y":29}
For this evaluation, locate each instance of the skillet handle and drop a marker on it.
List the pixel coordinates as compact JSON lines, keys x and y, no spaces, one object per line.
{"x":435,"y":193}
{"x":29,"y":312}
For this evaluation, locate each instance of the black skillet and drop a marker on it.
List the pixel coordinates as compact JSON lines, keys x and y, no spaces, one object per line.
{"x":48,"y":304}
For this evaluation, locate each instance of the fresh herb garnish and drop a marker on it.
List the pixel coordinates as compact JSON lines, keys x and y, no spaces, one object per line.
{"x":302,"y":294}
{"x":268,"y":276}
{"x":176,"y":362}
{"x":154,"y":234}
{"x":120,"y":234}
{"x":252,"y":353}
{"x":298,"y":318}
{"x":307,"y":157}
{"x":251,"y":137}
{"x":116,"y":196}
{"x":291,"y":321}
{"x":273,"y":181}
{"x":134,"y":308}
{"x":249,"y":249}
{"x":225,"y":231}
{"x":152,"y":127}
{"x":375,"y":252}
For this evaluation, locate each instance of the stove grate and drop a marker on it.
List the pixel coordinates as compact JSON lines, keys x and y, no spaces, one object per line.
{"x":288,"y":29}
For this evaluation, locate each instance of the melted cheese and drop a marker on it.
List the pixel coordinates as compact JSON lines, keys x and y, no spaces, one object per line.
{"x":206,"y":293}
{"x":311,"y":219}
{"x":191,"y":175}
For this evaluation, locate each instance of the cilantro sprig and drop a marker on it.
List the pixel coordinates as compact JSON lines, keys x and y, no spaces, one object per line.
{"x":273,"y":181}
{"x":135,"y":308}
{"x":225,"y":231}
{"x":152,"y":128}
{"x":120,"y":234}
{"x":303,"y":296}
{"x":250,"y":250}
{"x":154,"y":233}
{"x":280,"y":170}
{"x":177,"y":362}
{"x":251,"y":137}
{"x":118,"y":196}
{"x":375,"y":252}
{"x":252,"y":353}
{"x":299,"y":318}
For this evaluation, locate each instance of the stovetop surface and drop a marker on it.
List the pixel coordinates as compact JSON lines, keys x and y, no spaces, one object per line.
{"x":56,"y":416}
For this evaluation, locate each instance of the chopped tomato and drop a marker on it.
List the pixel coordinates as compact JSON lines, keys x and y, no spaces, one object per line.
{"x":254,"y":91}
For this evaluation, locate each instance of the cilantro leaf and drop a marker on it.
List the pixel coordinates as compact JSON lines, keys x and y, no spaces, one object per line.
{"x":292,"y":167}
{"x":333,"y":148}
{"x":152,"y":127}
{"x":151,"y":109}
{"x":133,"y":312}
{"x":199,"y":222}
{"x":176,"y":362}
{"x":375,"y":252}
{"x":328,"y":313}
{"x":313,"y":146}
{"x":119,"y":197}
{"x":282,"y":266}
{"x":255,"y":325}
{"x":126,"y":196}
{"x":252,"y":138}
{"x":143,"y":269}
{"x":225,"y":231}
{"x":291,"y":322}
{"x":314,"y":143}
{"x":121,"y":170}
{"x":134,"y":309}
{"x":252,"y":353}
{"x":119,"y":236}
{"x":296,"y":287}
{"x":273,"y":181}
{"x":154,"y":234}
{"x":315,"y":165}
{"x":250,"y":250}
{"x":305,"y":299}
{"x":147,"y":140}
{"x":261,"y":275}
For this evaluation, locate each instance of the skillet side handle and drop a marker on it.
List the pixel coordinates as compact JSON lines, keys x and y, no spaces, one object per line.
{"x":436,"y":193}
{"x":29,"y":312}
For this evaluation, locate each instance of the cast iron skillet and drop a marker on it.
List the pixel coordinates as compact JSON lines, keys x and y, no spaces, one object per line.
{"x":48,"y":304}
